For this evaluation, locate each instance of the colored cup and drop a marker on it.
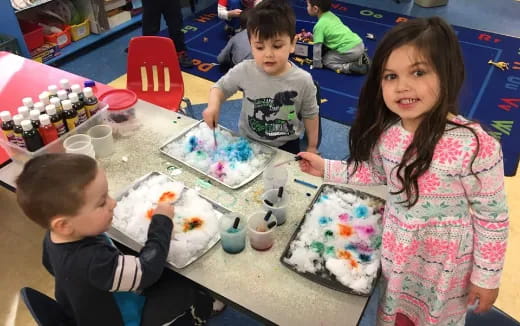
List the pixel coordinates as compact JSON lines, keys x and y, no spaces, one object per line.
{"x":274,"y":177}
{"x":278,"y":206}
{"x":261,"y":237}
{"x":233,"y":240}
{"x":102,"y":140}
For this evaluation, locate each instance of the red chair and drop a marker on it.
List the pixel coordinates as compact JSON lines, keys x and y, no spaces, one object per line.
{"x":154,"y":74}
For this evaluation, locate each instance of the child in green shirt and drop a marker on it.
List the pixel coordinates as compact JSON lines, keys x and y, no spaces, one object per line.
{"x":345,"y":50}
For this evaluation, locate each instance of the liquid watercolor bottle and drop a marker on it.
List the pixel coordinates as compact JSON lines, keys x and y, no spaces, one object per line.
{"x":65,"y":85}
{"x":8,"y":127}
{"x":62,"y":95}
{"x":57,"y":104}
{"x":57,"y":122}
{"x":35,"y":118}
{"x":40,"y":107}
{"x":28,"y":103}
{"x":76,"y":88}
{"x":53,"y":90}
{"x":91,"y":101}
{"x":47,"y":129}
{"x":18,"y":130}
{"x":79,"y":107}
{"x":33,"y":140}
{"x":70,"y":115}
{"x":44,"y":98}
{"x":24,"y":112}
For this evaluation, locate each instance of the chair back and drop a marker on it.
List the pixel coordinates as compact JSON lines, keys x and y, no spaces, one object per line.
{"x":45,"y":311}
{"x":153,"y":71}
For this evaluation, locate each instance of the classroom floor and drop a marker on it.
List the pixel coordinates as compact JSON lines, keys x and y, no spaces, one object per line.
{"x":20,"y":239}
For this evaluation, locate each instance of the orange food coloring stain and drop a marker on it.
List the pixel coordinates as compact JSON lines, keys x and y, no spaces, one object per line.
{"x":149,"y":213}
{"x":167,"y":196}
{"x":192,"y":223}
{"x":345,"y":230}
{"x":344,"y":254}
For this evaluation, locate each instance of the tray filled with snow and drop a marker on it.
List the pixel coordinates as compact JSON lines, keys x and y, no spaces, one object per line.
{"x":338,"y":242}
{"x":195,"y":224}
{"x":234,"y":162}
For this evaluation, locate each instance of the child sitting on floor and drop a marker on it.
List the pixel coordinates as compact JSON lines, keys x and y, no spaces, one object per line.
{"x":237,"y":48}
{"x":95,"y":283}
{"x":279,"y":98}
{"x":335,"y":45}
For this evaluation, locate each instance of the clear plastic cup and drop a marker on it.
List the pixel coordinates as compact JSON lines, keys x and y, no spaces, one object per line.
{"x":233,"y":239}
{"x":79,"y":144}
{"x":102,"y":140}
{"x":278,"y":206}
{"x":274,"y":177}
{"x":261,"y":237}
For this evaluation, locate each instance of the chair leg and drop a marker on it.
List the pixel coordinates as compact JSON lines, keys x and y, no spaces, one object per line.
{"x":188,"y":110}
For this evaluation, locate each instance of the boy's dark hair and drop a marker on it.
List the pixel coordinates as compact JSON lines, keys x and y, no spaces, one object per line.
{"x":437,"y":42}
{"x":271,"y":18}
{"x":324,"y":5}
{"x":54,"y":184}
{"x":243,"y":18}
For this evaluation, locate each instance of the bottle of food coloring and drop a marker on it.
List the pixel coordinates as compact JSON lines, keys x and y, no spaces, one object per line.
{"x":40,"y":107}
{"x":57,"y":104}
{"x":70,"y":115}
{"x":28,"y":102}
{"x":44,"y":98}
{"x":76,"y":88}
{"x":91,"y":101}
{"x":65,"y":85}
{"x":62,"y":95}
{"x":47,"y":129}
{"x":57,"y":122}
{"x":53,"y":90}
{"x":8,"y":127}
{"x":24,"y":111}
{"x":79,"y":107}
{"x":35,"y":118}
{"x":18,"y":130}
{"x":33,"y":140}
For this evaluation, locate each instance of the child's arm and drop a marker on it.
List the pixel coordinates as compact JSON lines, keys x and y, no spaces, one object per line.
{"x":311,"y":129}
{"x":489,"y":212}
{"x":211,"y":113}
{"x":224,"y":13}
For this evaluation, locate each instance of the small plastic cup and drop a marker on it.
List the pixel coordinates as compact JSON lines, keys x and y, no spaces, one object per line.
{"x":261,"y":236}
{"x":274,"y":177}
{"x":79,"y":144}
{"x":102,"y":140}
{"x":272,"y":202}
{"x":233,"y":234}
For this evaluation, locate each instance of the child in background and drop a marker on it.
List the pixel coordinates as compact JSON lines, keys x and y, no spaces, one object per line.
{"x":335,"y":45}
{"x":279,"y":101}
{"x":95,"y":283}
{"x":229,"y":10}
{"x":237,"y":48}
{"x":446,"y":221}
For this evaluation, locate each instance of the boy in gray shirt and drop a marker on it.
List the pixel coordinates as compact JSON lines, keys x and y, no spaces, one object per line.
{"x":279,"y":101}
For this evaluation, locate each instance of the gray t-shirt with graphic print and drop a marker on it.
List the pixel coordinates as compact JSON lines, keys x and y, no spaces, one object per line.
{"x":273,"y":107}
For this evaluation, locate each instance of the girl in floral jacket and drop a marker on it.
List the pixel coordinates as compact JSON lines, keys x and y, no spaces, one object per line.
{"x":446,"y":220}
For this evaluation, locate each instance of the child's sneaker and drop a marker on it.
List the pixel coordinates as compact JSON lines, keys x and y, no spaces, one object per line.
{"x":355,"y":68}
{"x":364,"y":59}
{"x":185,"y":60}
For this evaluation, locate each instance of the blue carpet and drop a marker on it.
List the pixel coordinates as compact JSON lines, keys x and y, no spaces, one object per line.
{"x":489,"y":95}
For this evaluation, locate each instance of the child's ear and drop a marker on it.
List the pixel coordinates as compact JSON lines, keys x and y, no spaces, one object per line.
{"x":62,"y":225}
{"x":293,"y":43}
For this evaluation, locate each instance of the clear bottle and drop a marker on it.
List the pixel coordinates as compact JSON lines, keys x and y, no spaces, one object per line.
{"x":44,"y":98}
{"x":40,"y":107}
{"x":79,"y":107}
{"x":76,"y":88}
{"x":28,"y":102}
{"x":8,"y":127}
{"x":18,"y":130}
{"x":33,"y":140}
{"x":24,"y":111}
{"x":91,"y":101}
{"x":35,"y":118}
{"x":70,"y":115}
{"x":65,"y":85}
{"x":47,"y":129}
{"x":57,"y":104}
{"x":56,"y":120}
{"x":53,"y":90}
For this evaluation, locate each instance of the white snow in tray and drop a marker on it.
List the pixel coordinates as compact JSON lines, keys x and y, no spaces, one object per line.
{"x":233,"y":160}
{"x":195,"y":224}
{"x":341,"y":236}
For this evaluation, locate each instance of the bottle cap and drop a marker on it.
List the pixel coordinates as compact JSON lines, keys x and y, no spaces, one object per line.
{"x":34,"y":114}
{"x":17,"y":118}
{"x":27,"y":125}
{"x":87,"y":91}
{"x":64,"y":83}
{"x":56,"y":101}
{"x":28,"y":102}
{"x":44,"y":97}
{"x":50,"y":109}
{"x":39,"y":106}
{"x":89,"y":83}
{"x":24,"y":111}
{"x":62,"y":94}
{"x":5,"y":116}
{"x":76,"y":88}
{"x":66,"y":104}
{"x":45,"y":119}
{"x":53,"y":89}
{"x":73,"y":97}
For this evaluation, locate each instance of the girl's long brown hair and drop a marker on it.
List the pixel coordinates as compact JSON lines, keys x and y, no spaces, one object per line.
{"x":437,"y":42}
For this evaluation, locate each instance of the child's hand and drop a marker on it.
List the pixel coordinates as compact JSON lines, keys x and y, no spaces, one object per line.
{"x":312,"y":164}
{"x":165,"y":208}
{"x":234,"y":13}
{"x":486,"y":297}
{"x":210,"y":116}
